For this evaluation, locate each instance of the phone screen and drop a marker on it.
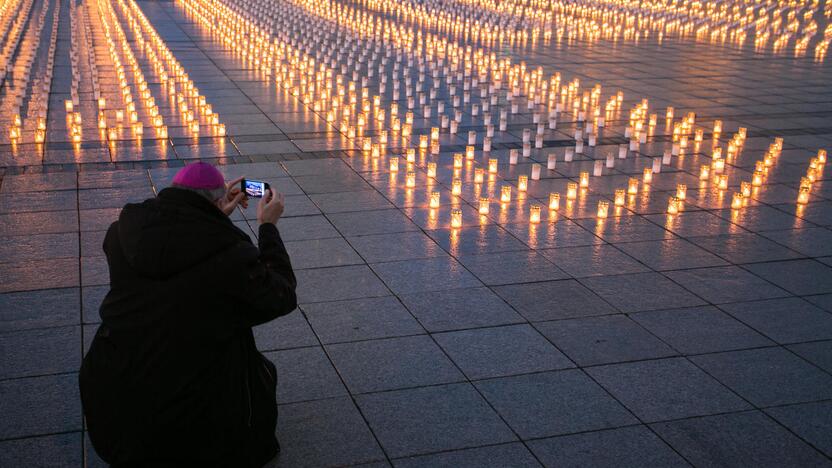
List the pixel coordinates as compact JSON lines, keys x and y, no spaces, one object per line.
{"x":254,"y":188}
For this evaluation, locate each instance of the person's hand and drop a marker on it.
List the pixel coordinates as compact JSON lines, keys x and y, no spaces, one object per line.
{"x":233,"y":197}
{"x":270,"y":207}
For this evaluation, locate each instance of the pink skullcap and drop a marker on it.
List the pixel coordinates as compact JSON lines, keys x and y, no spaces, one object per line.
{"x":199,"y":175}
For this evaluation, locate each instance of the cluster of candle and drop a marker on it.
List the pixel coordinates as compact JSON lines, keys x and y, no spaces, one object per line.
{"x":29,"y":101}
{"x":329,"y":72}
{"x":133,"y":48}
{"x":771,"y":24}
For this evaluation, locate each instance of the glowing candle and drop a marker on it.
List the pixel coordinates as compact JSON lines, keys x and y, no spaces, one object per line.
{"x":432,"y":170}
{"x":736,"y":201}
{"x":719,"y":165}
{"x":822,"y":156}
{"x":620,"y":195}
{"x":632,"y":185}
{"x":534,"y":214}
{"x":423,"y":141}
{"x":410,"y":180}
{"x":505,"y":194}
{"x":394,"y":164}
{"x":672,"y":206}
{"x":484,"y":206}
{"x":723,"y":182}
{"x":803,"y":196}
{"x":757,"y":179}
{"x":457,"y":160}
{"x":571,"y":191}
{"x":68,"y":106}
{"x":492,"y":166}
{"x":478,"y":175}
{"x":745,"y":189}
{"x":469,"y":152}
{"x":681,"y":191}
{"x":523,"y":183}
{"x":410,"y":154}
{"x":584,"y":179}
{"x":456,"y":187}
{"x":647,"y":176}
{"x":603,"y":208}
{"x":554,"y":201}
{"x":434,"y":199}
{"x":456,"y":218}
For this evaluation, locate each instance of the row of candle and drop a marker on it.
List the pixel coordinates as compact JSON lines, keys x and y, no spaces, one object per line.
{"x":18,"y":94}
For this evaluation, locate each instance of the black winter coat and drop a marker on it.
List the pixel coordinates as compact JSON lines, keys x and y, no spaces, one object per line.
{"x":173,"y":377}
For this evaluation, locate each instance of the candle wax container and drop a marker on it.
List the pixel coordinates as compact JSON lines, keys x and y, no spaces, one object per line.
{"x":484,"y":206}
{"x":492,"y":166}
{"x":672,"y":206}
{"x":432,"y":170}
{"x":456,"y":187}
{"x":632,"y":186}
{"x":681,"y":191}
{"x":434,"y":199}
{"x":803,"y":196}
{"x":523,"y":183}
{"x":571,"y":191}
{"x":534,"y":214}
{"x":505,"y":194}
{"x":554,"y":201}
{"x":394,"y":164}
{"x":584,"y":179}
{"x":456,"y":218}
{"x":620,"y":195}
{"x":603,"y":208}
{"x":647,"y":176}
{"x":736,"y":201}
{"x":478,"y":175}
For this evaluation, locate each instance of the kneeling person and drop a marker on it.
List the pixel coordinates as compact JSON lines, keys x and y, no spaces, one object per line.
{"x":173,"y":377}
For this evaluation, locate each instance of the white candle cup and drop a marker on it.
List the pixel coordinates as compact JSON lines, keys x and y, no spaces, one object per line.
{"x":657,"y":165}
{"x":536,"y":171}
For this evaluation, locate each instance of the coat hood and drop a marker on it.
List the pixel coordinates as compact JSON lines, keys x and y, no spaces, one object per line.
{"x":173,"y":232}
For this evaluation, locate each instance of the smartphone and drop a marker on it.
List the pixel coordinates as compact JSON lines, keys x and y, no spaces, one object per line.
{"x":254,"y":188}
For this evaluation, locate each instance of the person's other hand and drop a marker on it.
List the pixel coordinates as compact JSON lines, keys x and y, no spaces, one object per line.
{"x":270,"y":207}
{"x":233,"y":197}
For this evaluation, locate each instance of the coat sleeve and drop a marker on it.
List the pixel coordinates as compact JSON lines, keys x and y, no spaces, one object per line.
{"x":268,"y":291}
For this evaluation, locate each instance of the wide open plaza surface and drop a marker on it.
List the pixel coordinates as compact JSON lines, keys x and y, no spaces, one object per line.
{"x":664,"y":332}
